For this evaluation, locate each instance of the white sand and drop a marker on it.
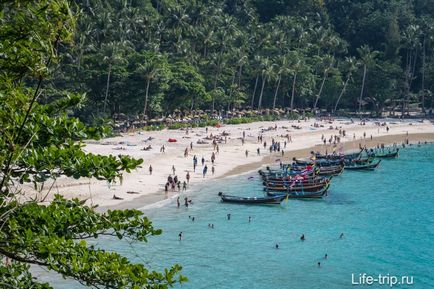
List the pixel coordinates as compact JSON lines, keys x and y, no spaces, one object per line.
{"x":150,"y":188}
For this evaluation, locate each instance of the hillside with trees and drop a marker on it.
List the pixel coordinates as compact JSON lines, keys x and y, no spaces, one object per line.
{"x":148,"y":58}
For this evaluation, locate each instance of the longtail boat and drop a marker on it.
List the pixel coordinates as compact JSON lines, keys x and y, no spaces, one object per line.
{"x":302,"y":194}
{"x":371,"y":166}
{"x":298,"y":187}
{"x":276,"y":199}
{"x":388,"y":154}
{"x":288,"y":182}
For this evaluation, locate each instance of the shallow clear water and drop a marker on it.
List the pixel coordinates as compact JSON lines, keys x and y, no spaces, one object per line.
{"x":386,"y":217}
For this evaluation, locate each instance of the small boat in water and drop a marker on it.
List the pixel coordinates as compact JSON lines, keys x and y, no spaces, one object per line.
{"x":371,"y":166}
{"x":302,"y":194}
{"x":387,"y":155}
{"x":276,"y":199}
{"x":308,"y":187}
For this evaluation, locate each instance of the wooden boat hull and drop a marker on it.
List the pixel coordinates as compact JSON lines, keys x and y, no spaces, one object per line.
{"x":328,"y":171}
{"x":288,"y":178}
{"x":307,"y":188}
{"x":281,"y":182}
{"x":366,"y":167}
{"x":276,"y":199}
{"x":388,"y":155}
{"x":302,"y":195}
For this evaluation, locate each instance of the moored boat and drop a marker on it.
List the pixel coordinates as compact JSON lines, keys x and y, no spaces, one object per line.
{"x":276,"y":199}
{"x":388,"y":154}
{"x":298,"y":187}
{"x":302,"y":194}
{"x":370,"y":166}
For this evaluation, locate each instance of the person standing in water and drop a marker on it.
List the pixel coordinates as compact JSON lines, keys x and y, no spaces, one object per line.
{"x":184,"y":186}
{"x":178,"y":203}
{"x":180,"y":236}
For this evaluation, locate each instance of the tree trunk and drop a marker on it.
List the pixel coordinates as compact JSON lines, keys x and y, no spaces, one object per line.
{"x":107,"y":87}
{"x":293,"y":90}
{"x":363,"y":87}
{"x":341,"y":94}
{"x":146,"y":96}
{"x":423,"y":75}
{"x":254,"y":90}
{"x":239,"y":75}
{"x":230,"y":91}
{"x":217,"y":76}
{"x":264,"y":79}
{"x":215,"y":86}
{"x":277,"y":90}
{"x":320,"y":90}
{"x":192,"y":103}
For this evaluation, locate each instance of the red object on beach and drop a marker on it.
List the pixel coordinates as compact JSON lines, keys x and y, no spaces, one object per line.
{"x":218,"y":125}
{"x":172,"y":140}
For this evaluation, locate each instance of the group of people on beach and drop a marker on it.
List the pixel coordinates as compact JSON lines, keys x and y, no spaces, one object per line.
{"x":174,"y":183}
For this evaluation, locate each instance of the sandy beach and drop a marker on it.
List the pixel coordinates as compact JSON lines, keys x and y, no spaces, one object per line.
{"x":140,"y":188}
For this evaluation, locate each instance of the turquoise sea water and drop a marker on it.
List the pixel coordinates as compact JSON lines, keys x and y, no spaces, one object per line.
{"x":387,"y":217}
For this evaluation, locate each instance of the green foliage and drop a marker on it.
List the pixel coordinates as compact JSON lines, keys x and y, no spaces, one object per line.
{"x":40,"y":142}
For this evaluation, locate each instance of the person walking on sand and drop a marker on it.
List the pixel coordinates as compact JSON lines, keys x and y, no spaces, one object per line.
{"x":194,"y":163}
{"x":205,"y":170}
{"x":186,"y":152}
{"x":150,"y":169}
{"x":188,"y":177}
{"x":184,"y":186}
{"x":258,"y":151}
{"x":203,"y":161}
{"x":173,"y":169}
{"x":213,"y":170}
{"x":191,"y":146}
{"x":247,"y":153}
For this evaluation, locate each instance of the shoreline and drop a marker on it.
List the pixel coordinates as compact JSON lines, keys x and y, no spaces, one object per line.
{"x":348,"y":146}
{"x":238,"y":145}
{"x":143,"y":202}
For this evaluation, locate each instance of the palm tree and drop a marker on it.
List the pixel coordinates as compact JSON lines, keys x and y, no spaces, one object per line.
{"x":266,"y":73}
{"x":327,"y":62}
{"x":367,"y":57}
{"x":296,"y":65}
{"x":350,"y":65}
{"x":283,"y":70}
{"x":112,"y":56}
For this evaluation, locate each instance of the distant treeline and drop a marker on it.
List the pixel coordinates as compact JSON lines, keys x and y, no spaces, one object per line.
{"x":150,"y":57}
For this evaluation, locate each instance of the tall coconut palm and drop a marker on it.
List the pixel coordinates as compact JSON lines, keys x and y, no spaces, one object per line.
{"x":367,"y":57}
{"x":283,"y":70}
{"x":149,"y":70}
{"x":296,"y":64}
{"x":111,"y":56}
{"x":350,"y":65}
{"x":327,"y":63}
{"x":266,"y":73}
